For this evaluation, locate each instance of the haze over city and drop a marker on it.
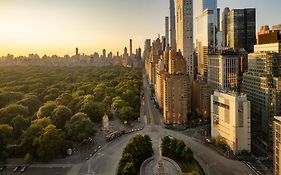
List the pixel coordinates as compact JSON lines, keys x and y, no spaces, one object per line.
{"x":57,"y":27}
{"x":140,"y":87}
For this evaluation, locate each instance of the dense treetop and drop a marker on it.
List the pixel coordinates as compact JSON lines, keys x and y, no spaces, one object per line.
{"x":67,"y":102}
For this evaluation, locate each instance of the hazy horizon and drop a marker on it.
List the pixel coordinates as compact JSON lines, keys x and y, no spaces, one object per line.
{"x":57,"y":27}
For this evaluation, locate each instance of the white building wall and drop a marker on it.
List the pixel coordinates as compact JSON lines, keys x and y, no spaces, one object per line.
{"x":230,"y":119}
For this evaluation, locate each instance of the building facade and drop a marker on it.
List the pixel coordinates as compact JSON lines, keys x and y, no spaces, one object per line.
{"x":206,"y":20}
{"x":241,"y":29}
{"x":262,"y":84}
{"x":277,"y":145}
{"x":231,"y":120}
{"x":173,"y":36}
{"x":201,"y":98}
{"x":185,"y":32}
{"x":177,"y":91}
{"x":223,"y":70}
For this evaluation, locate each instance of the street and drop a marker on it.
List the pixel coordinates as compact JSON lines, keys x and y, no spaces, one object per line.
{"x":105,"y":162}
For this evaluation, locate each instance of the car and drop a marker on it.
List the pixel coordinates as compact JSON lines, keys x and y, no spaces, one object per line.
{"x":208,"y":140}
{"x":16,"y":169}
{"x":23,"y":169}
{"x":2,"y":168}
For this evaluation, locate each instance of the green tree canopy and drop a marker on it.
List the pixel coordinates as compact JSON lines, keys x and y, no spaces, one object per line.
{"x":47,"y":109}
{"x":80,"y":127}
{"x":9,"y":112}
{"x":61,"y":115}
{"x":50,"y":143}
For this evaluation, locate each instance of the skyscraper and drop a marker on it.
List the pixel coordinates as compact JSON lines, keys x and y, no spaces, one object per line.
{"x":241,"y":30}
{"x":206,"y":20}
{"x":146,"y":50}
{"x":104,"y":53}
{"x":224,"y":26}
{"x":185,"y":32}
{"x":131,"y":48}
{"x":167,"y":35}
{"x":262,"y":83}
{"x":173,"y":39}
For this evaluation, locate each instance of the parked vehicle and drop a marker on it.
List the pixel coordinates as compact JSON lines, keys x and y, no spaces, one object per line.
{"x":23,"y":169}
{"x":16,"y":169}
{"x":2,"y":168}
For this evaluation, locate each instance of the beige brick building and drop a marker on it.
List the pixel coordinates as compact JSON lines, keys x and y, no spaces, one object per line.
{"x":177,"y":91}
{"x":201,"y":97}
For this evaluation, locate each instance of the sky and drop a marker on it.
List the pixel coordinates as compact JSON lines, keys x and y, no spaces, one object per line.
{"x":59,"y":26}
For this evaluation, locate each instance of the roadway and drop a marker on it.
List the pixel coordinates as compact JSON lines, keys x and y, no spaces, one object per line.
{"x":105,"y":161}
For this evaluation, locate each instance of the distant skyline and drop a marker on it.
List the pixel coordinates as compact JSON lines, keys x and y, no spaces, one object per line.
{"x":59,"y":26}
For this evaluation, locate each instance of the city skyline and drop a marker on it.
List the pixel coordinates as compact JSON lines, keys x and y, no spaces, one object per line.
{"x":58,"y":27}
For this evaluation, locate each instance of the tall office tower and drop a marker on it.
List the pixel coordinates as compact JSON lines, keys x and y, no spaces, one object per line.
{"x":241,"y":31}
{"x":104,"y":53}
{"x":277,"y":145}
{"x":262,"y":83}
{"x":177,"y":93}
{"x":224,"y":26}
{"x":206,"y":20}
{"x":146,"y":50}
{"x":138,"y":53}
{"x":223,"y":70}
{"x":167,"y":35}
{"x":110,"y":55}
{"x":231,"y":119}
{"x":76,"y":51}
{"x":218,"y":19}
{"x":173,"y":39}
{"x":185,"y":32}
{"x":131,"y":47}
{"x":164,"y":42}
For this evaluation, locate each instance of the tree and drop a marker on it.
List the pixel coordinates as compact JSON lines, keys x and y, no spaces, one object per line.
{"x":99,"y":92}
{"x":9,"y":97}
{"x":64,"y":99}
{"x":118,"y":103}
{"x":127,"y":113}
{"x":47,"y":109}
{"x":6,"y":132}
{"x":19,"y":124}
{"x":9,"y":112}
{"x":51,"y":94}
{"x":128,"y":169}
{"x":137,"y":150}
{"x":80,"y":127}
{"x":50,"y":143}
{"x":5,"y":137}
{"x":60,"y":115}
{"x":32,"y":102}
{"x":94,"y":110}
{"x":176,"y":149}
{"x":28,"y":158}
